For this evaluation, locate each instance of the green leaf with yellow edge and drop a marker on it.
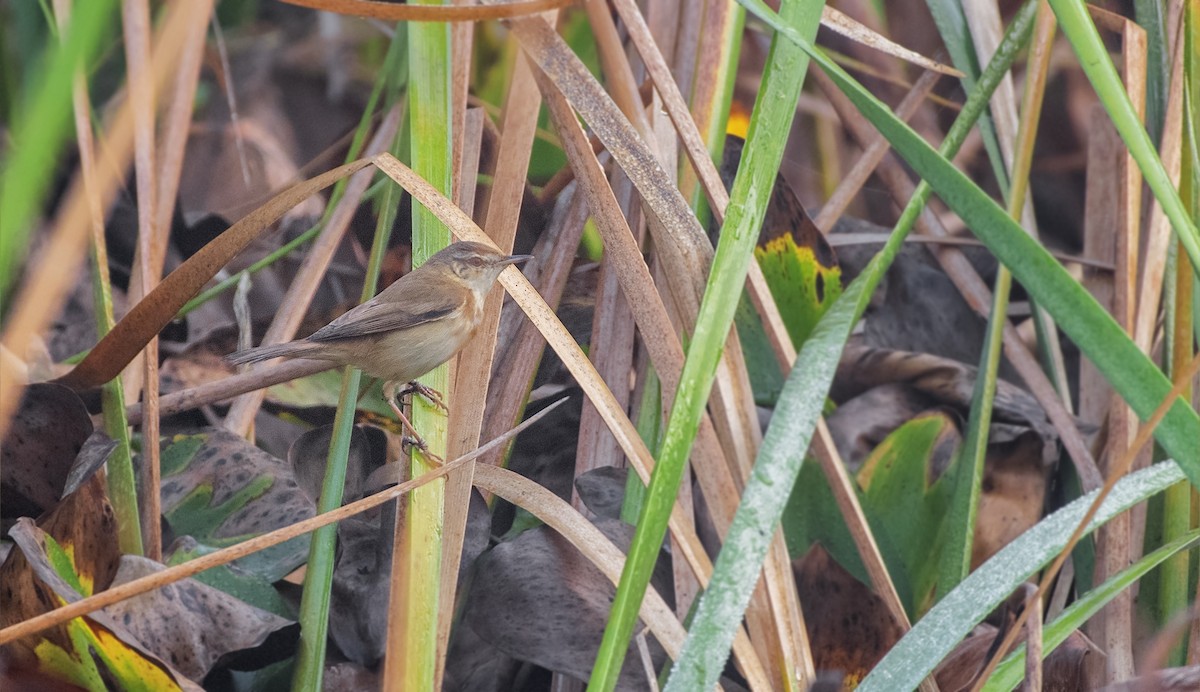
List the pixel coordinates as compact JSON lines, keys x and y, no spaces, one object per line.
{"x":800,"y":268}
{"x":126,"y":666}
{"x":803,"y":287}
{"x":96,"y":651}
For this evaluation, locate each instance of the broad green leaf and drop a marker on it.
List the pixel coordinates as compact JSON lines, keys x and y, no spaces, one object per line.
{"x":904,"y":507}
{"x":220,"y":490}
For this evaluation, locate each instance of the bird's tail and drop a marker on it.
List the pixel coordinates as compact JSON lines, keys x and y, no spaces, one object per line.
{"x":292,"y":349}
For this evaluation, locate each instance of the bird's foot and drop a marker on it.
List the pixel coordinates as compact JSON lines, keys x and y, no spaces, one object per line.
{"x":412,"y":438}
{"x":431,"y":395}
{"x":409,"y":443}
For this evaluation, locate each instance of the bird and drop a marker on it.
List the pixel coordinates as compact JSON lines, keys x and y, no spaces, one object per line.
{"x":408,"y":328}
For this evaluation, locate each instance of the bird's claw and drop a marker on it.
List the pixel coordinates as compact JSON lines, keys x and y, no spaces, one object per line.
{"x":430,"y":394}
{"x":410,"y":442}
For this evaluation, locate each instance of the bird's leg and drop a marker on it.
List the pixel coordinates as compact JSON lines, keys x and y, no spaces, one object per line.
{"x":413,"y":437}
{"x":431,"y":395}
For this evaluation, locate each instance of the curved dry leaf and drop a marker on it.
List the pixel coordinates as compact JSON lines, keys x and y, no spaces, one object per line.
{"x":44,"y":437}
{"x":146,"y":319}
{"x":855,"y":31}
{"x":405,"y":12}
{"x":193,"y":625}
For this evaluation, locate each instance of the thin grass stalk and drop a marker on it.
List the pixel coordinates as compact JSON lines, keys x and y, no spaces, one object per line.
{"x":1098,"y":66}
{"x":951,"y":21}
{"x":41,"y":127}
{"x":136,"y":32}
{"x":1177,"y":501}
{"x":768,"y":134}
{"x":712,"y":91}
{"x":795,"y":419}
{"x":956,"y":560}
{"x":318,"y":577}
{"x":982,"y":17}
{"x":1151,"y":16}
{"x":112,"y":396}
{"x":318,"y":581}
{"x":411,"y":662}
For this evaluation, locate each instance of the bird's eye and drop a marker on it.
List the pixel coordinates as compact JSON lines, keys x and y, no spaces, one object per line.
{"x":476,"y":262}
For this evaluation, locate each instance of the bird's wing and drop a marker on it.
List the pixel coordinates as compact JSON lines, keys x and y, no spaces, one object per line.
{"x":375,"y":316}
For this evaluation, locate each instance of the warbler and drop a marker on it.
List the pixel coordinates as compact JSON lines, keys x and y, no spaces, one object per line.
{"x":410,"y":327}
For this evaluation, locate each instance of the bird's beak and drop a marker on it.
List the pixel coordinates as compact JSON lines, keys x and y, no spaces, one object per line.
{"x":515,"y":259}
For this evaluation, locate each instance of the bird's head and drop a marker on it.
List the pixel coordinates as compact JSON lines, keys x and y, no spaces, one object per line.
{"x":476,"y":264}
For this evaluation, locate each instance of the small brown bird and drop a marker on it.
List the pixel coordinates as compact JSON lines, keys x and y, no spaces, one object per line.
{"x":410,"y":327}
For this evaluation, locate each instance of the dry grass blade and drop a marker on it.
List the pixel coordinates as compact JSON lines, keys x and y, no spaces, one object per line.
{"x":43,"y":292}
{"x":872,"y":154}
{"x":1158,"y":230}
{"x":151,"y":244}
{"x":1115,"y":236}
{"x":524,"y":350}
{"x":226,"y":555}
{"x":503,"y":209}
{"x":398,"y":12}
{"x":463,"y":436}
{"x":851,"y":29}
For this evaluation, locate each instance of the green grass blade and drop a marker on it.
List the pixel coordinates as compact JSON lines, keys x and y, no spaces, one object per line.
{"x":944,"y":626}
{"x":40,"y":130}
{"x":1012,"y":669}
{"x":1098,"y":66}
{"x":956,"y":34}
{"x":318,"y":577}
{"x":1150,"y":15}
{"x":769,"y":126}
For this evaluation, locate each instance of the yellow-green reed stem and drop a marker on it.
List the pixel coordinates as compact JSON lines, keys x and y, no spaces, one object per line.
{"x":429,"y":52}
{"x":1175,"y":576}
